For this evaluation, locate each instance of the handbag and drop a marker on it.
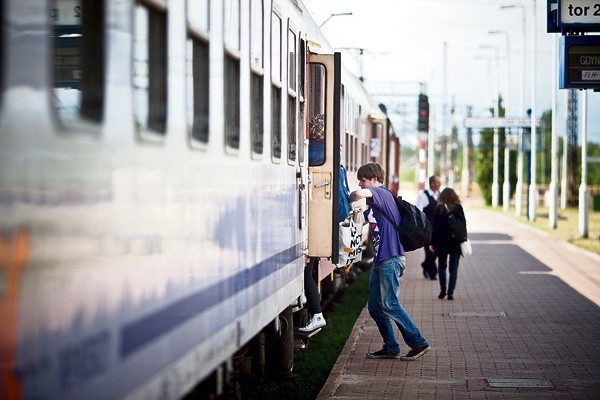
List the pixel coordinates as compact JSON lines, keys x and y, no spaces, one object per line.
{"x":350,"y":243}
{"x":465,"y":248}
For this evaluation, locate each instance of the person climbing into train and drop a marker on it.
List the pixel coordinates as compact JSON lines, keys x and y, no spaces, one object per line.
{"x":388,"y":266}
{"x":311,"y":270}
{"x":426,"y":202}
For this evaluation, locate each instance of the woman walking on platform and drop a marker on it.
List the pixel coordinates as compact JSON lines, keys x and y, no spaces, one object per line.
{"x":442,"y":243}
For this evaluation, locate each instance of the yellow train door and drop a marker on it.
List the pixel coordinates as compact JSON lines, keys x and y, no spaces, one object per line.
{"x":323,"y":102}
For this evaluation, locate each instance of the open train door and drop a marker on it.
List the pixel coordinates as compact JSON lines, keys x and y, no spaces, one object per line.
{"x":323,"y":100}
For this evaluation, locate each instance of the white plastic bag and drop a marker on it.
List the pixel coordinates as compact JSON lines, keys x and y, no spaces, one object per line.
{"x":465,"y":248}
{"x":350,"y":249}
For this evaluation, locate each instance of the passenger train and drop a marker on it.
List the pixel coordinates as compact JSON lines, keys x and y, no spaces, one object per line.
{"x":167,"y":168}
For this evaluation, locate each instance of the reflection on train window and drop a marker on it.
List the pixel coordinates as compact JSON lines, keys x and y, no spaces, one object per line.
{"x":276,"y":121}
{"x":197,"y":95}
{"x":78,"y":73}
{"x":150,"y":69}
{"x":316,"y":115}
{"x":256,"y":79}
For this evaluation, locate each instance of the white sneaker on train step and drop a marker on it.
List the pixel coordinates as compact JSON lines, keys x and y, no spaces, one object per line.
{"x":315,"y":322}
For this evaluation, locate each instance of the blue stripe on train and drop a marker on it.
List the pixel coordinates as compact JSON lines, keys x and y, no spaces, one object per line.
{"x":139,"y":333}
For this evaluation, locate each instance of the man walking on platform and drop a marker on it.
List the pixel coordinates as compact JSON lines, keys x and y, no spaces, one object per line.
{"x":388,"y":266}
{"x":426,"y":202}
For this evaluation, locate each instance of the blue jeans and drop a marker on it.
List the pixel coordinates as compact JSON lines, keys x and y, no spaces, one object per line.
{"x":452,"y":267}
{"x":385,"y":307}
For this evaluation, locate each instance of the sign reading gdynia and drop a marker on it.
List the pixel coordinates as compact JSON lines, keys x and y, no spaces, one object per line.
{"x":579,"y":13}
{"x":579,"y":62}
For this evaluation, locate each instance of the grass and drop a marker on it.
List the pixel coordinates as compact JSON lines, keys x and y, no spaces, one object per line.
{"x":567,"y":226}
{"x":313,"y":364}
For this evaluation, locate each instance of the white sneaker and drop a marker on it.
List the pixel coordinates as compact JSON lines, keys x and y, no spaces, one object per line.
{"x":315,"y":322}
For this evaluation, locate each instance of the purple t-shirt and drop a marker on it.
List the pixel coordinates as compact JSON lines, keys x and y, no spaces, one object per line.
{"x":385,"y":237}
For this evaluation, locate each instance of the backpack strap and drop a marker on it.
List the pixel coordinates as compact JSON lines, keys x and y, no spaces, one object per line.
{"x":386,"y":217}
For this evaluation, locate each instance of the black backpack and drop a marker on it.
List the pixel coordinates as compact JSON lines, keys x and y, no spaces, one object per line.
{"x":415,"y":229}
{"x":429,"y":209}
{"x":456,"y":229}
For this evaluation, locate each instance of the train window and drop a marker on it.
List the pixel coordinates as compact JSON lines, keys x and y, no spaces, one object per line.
{"x":256,"y":34}
{"x":291,"y":128}
{"x":256,"y":79}
{"x":301,"y":117}
{"x":198,"y":15}
{"x":232,"y":102}
{"x":291,"y":60}
{"x":276,"y":48}
{"x":231,"y":36}
{"x":197,"y":82}
{"x":316,"y":114}
{"x":302,"y":68}
{"x":231,"y":32}
{"x":78,"y":68}
{"x":256,"y":113}
{"x":276,"y":121}
{"x":150,"y":69}
{"x":275,"y":87}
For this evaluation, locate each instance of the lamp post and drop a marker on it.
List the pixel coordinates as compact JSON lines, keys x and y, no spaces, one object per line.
{"x":519,"y":188}
{"x":506,"y":184}
{"x":495,"y":184}
{"x":334,"y":15}
{"x":533,"y":168}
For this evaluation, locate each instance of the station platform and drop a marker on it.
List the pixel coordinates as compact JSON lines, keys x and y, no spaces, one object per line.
{"x":524,"y":324}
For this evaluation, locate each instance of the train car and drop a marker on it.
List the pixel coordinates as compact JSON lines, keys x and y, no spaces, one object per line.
{"x":161,"y":191}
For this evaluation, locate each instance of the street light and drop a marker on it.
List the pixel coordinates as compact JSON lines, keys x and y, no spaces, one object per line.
{"x":533,"y":167}
{"x":519,"y":188}
{"x":506,"y":184}
{"x":495,"y":184}
{"x":334,"y":15}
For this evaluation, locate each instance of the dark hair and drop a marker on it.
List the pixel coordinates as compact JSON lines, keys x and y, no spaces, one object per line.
{"x":449,"y":198}
{"x":432,"y":179}
{"x":371,"y":170}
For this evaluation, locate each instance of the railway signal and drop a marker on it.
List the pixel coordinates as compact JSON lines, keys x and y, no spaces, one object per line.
{"x":423,"y":121}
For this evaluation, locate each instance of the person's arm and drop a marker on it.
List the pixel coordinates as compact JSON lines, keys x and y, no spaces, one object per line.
{"x":360,"y":194}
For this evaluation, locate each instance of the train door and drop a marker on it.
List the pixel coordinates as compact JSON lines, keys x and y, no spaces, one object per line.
{"x":323,"y":98}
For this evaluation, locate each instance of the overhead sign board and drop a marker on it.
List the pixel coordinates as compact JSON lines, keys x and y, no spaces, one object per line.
{"x":506,"y":122}
{"x":579,"y":62}
{"x":579,"y":13}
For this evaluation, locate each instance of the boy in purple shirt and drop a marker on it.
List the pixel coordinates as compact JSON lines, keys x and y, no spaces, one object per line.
{"x":388,"y":267}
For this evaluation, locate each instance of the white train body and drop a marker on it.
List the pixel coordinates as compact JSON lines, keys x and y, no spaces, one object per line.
{"x":136,"y":259}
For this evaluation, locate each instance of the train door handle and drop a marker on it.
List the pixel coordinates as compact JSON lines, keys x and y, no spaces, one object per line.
{"x":321,"y":184}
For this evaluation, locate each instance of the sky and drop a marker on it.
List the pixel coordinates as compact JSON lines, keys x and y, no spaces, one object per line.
{"x":408,"y":41}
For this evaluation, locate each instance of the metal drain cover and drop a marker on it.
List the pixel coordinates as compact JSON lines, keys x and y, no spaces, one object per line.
{"x":519,"y":383}
{"x":478,"y":314}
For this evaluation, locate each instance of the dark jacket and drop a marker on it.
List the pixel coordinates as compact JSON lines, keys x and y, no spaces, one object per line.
{"x":439,"y":236}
